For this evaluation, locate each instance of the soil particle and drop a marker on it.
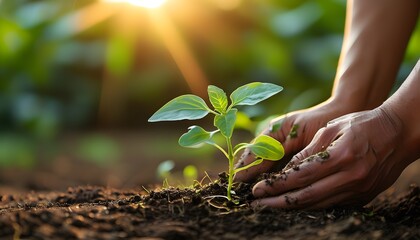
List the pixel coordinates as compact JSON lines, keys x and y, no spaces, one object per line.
{"x":294,"y":131}
{"x":271,"y":178}
{"x":323,"y":155}
{"x":90,"y":212}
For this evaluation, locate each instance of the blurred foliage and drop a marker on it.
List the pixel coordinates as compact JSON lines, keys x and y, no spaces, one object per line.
{"x":16,"y":151}
{"x":99,"y":149}
{"x":166,"y":173}
{"x":82,"y":64}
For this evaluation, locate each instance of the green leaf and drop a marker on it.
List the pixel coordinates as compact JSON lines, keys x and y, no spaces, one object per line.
{"x":226,"y":122}
{"x":240,"y":146}
{"x":254,"y":93}
{"x":267,"y":148}
{"x":217,"y":98}
{"x":254,"y":163}
{"x":195,"y":136}
{"x":189,"y":107}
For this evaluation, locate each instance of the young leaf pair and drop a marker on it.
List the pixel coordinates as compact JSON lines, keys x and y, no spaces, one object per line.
{"x":191,"y":107}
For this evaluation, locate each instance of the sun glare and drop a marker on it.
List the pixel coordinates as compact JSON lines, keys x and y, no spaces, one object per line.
{"x":141,"y":3}
{"x":165,"y":28}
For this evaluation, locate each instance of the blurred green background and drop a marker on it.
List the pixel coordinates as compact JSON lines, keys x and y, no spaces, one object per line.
{"x":79,"y":79}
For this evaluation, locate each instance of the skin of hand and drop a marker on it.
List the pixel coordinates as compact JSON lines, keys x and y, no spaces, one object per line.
{"x":353,"y":158}
{"x":365,"y":75}
{"x":295,"y":130}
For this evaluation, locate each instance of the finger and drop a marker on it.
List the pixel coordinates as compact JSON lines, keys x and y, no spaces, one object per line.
{"x":323,"y":139}
{"x":306,"y":172}
{"x":291,"y":134}
{"x":291,"y":202}
{"x":277,"y":129}
{"x":341,"y":199}
{"x":323,"y":193}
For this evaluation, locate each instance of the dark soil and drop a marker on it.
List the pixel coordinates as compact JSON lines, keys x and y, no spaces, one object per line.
{"x":101,"y":213}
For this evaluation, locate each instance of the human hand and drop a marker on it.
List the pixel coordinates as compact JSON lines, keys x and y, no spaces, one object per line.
{"x":295,"y":131}
{"x":350,"y":161}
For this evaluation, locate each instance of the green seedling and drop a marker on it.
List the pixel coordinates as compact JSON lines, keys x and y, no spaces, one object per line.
{"x":192,"y":107}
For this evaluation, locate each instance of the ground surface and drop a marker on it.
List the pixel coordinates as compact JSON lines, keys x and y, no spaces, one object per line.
{"x":88,"y":212}
{"x":102,"y":213}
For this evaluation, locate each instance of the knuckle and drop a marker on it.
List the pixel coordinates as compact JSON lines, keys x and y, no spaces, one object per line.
{"x":323,"y":135}
{"x":360,"y":179}
{"x":331,"y":122}
{"x":361,"y":174}
{"x":304,"y":174}
{"x":299,"y":156}
{"x":347,"y":157}
{"x":320,"y":133}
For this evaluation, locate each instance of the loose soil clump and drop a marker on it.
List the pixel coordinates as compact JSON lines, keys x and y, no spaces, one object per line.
{"x":199,"y":212}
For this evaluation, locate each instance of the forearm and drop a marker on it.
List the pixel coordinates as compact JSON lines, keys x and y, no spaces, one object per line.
{"x":375,"y":39}
{"x":404,"y":105}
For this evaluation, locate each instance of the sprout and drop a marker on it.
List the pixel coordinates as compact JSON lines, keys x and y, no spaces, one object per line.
{"x":192,"y":107}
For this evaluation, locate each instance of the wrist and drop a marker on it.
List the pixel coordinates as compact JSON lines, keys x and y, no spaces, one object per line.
{"x":406,"y":125}
{"x":360,"y":89}
{"x":343,"y":105}
{"x":403,"y":105}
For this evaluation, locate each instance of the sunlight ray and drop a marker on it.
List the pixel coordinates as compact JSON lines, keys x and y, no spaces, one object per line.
{"x":182,"y":55}
{"x":93,"y":14}
{"x":141,"y":3}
